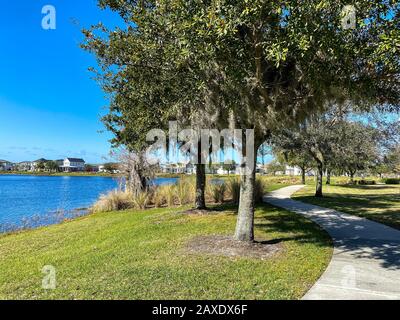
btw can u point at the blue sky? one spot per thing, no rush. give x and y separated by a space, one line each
49 105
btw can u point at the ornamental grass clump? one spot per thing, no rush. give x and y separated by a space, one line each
114 201
234 190
184 192
158 197
141 200
218 192
259 190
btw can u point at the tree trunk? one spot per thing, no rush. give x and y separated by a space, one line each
320 172
303 176
328 176
245 220
351 176
200 201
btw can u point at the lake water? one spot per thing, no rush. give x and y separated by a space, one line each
31 201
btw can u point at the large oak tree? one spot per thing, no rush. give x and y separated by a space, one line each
266 62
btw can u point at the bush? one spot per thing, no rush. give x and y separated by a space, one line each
184 192
158 197
141 200
181 193
218 192
392 181
234 189
366 182
114 201
169 193
259 190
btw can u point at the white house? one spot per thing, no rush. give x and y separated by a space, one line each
292 171
5 165
24 166
71 164
296 171
174 168
190 169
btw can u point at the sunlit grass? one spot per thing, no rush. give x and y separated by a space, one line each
141 255
380 202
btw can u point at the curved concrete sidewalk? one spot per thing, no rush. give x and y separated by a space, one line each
366 258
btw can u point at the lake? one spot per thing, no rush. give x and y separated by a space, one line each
32 201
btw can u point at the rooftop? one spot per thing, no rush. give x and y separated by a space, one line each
75 160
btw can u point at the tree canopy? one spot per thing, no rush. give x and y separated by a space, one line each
258 64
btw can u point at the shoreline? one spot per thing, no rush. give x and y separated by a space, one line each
59 174
81 174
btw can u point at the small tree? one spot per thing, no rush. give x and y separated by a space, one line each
51 166
263 151
275 166
296 158
357 148
138 170
41 166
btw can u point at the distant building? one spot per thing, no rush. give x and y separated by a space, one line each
176 168
71 164
5 165
190 169
292 171
35 164
260 169
109 168
24 166
296 171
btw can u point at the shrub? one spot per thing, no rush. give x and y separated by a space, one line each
366 182
113 201
169 194
184 192
218 192
234 189
141 200
259 190
158 197
392 181
340 180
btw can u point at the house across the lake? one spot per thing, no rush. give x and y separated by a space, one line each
23 166
5 165
71 164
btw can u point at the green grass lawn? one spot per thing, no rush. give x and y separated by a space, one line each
141 255
380 203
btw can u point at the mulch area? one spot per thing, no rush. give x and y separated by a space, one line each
202 212
228 247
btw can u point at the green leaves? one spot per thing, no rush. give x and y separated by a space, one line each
264 62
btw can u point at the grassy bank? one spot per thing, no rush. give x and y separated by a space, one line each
380 203
142 255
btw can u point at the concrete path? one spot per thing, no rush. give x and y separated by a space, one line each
366 258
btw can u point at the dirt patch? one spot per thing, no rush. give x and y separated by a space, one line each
202 212
228 247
